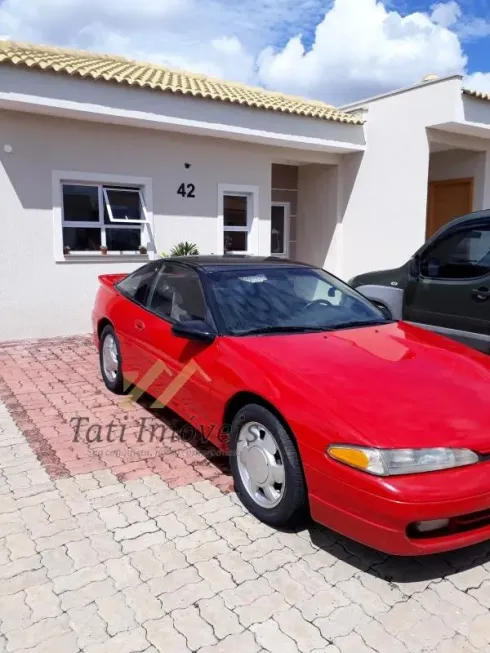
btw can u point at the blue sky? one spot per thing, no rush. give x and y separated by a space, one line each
334 50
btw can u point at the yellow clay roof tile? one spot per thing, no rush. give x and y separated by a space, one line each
114 68
478 94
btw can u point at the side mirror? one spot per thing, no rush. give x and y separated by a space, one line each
194 330
414 267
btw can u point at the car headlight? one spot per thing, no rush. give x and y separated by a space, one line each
393 462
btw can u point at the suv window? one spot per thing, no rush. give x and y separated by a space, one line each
137 285
461 255
178 295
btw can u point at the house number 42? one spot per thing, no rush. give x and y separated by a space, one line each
186 190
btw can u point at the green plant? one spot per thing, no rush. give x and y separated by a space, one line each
184 249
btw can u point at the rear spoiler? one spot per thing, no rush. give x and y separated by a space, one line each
109 280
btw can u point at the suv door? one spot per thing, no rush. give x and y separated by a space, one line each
450 291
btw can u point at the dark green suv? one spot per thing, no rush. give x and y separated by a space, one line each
445 286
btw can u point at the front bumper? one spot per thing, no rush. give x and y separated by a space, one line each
382 522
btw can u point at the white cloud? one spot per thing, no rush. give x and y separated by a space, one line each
359 48
478 82
446 14
474 28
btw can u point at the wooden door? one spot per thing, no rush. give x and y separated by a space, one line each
447 200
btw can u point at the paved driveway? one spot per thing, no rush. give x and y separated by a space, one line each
141 545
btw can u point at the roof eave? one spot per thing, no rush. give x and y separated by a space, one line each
361 104
64 96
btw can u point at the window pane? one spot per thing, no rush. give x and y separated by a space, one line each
235 211
277 230
235 241
138 284
123 240
463 255
80 203
178 295
125 205
81 239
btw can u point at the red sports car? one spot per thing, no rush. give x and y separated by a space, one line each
380 428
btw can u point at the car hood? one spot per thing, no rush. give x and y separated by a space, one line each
395 276
396 385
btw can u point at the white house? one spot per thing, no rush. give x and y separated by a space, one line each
107 162
427 160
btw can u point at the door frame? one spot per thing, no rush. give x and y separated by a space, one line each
287 228
430 199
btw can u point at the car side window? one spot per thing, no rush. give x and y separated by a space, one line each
461 255
177 295
137 285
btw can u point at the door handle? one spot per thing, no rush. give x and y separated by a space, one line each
481 293
139 325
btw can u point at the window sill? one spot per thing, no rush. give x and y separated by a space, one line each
105 258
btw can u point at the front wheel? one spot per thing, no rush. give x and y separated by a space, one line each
266 467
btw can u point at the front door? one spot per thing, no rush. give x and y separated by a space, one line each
452 291
447 200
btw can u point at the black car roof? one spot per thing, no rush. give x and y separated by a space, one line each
212 263
469 217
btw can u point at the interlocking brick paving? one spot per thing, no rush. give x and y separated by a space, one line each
93 564
48 384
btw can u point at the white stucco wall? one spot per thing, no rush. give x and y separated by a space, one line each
460 164
476 110
486 187
384 194
40 297
318 233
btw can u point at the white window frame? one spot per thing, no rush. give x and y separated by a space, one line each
126 220
287 229
252 227
143 184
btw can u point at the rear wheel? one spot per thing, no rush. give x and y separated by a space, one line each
266 467
110 360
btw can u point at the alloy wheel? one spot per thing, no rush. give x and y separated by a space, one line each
110 358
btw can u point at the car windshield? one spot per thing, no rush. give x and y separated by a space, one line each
287 300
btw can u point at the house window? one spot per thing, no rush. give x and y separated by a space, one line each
107 218
238 223
280 229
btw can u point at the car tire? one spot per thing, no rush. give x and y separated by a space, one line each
280 505
111 374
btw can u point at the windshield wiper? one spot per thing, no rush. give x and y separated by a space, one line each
281 329
359 323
